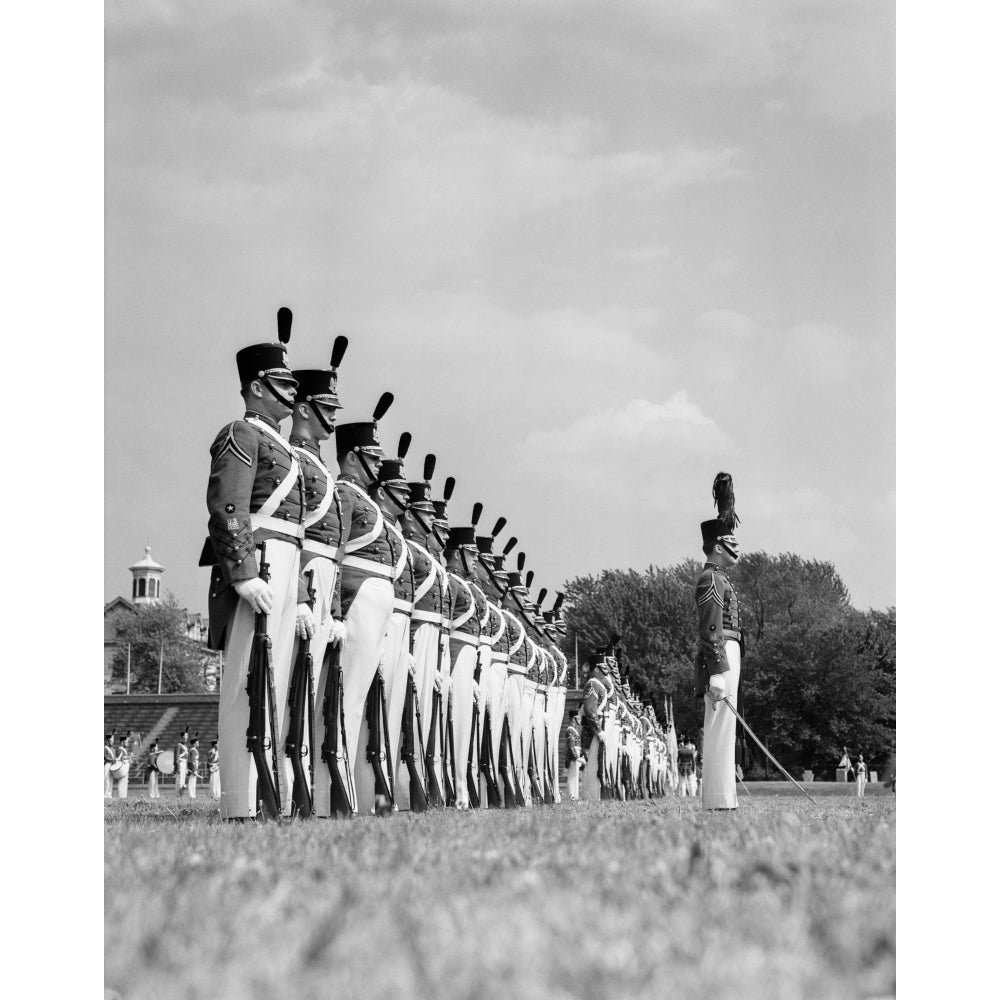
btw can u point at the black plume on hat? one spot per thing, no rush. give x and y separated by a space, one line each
477 513
339 347
429 462
382 406
284 324
725 500
498 527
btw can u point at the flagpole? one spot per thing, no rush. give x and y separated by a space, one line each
159 682
128 669
576 660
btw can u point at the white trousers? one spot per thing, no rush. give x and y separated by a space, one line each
236 766
182 776
367 621
498 710
573 779
324 578
462 678
214 785
590 786
107 781
718 768
862 781
122 783
396 669
514 699
154 785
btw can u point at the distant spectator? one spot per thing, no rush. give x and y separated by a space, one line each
214 785
862 775
845 763
153 770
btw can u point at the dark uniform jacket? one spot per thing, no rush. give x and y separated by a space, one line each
718 620
364 549
464 619
251 461
323 516
596 694
433 597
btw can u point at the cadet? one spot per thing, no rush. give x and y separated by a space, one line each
154 771
576 759
460 559
214 786
596 696
717 672
194 755
367 594
123 764
254 497
862 775
109 759
687 779
316 405
181 763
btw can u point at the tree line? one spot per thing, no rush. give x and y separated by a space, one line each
818 674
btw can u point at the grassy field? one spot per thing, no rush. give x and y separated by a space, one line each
785 900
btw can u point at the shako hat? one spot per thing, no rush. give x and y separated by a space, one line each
363 435
514 576
465 537
320 384
267 360
420 491
498 557
725 501
485 542
391 471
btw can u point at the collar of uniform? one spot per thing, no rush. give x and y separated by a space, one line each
345 477
308 443
715 566
262 416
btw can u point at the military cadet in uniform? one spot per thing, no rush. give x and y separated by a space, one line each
214 785
596 696
719 651
367 594
153 770
575 757
109 759
255 496
687 778
123 763
316 405
862 775
517 671
194 760
181 763
392 493
460 559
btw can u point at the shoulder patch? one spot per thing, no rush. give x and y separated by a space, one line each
708 591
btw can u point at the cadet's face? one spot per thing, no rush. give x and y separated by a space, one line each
329 414
728 550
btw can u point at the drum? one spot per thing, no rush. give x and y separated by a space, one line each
119 770
165 762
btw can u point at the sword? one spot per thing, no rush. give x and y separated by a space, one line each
770 756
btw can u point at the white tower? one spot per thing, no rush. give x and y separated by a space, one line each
146 580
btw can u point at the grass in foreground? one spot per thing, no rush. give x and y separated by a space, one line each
784 900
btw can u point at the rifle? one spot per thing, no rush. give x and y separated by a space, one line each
536 791
548 780
511 797
343 801
472 767
378 732
411 723
448 757
260 691
487 766
298 697
434 794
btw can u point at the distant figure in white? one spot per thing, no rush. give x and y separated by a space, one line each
862 776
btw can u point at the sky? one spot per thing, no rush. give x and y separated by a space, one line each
599 252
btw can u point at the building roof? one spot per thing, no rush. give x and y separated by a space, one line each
147 563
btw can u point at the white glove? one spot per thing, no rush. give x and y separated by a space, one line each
338 632
717 687
304 627
256 593
412 664
475 692
438 682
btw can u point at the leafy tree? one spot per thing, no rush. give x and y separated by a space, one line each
143 632
817 675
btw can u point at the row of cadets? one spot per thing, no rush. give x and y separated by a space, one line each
255 495
370 566
313 419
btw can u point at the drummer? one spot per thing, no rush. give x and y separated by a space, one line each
121 766
154 771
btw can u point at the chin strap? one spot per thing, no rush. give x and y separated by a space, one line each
728 549
323 422
277 395
372 477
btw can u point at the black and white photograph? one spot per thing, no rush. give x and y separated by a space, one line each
500 500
